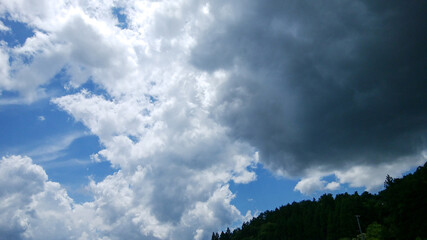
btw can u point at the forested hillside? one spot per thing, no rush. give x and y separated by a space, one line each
397 212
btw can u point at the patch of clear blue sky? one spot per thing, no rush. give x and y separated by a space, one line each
18 34
266 193
121 17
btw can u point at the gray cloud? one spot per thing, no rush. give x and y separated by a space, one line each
328 84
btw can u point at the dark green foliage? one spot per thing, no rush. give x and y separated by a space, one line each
398 212
374 231
405 206
215 236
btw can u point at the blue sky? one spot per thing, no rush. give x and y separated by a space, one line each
152 120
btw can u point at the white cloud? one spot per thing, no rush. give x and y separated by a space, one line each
332 186
373 177
4 66
35 208
31 206
169 150
370 177
3 27
27 78
310 185
171 157
41 118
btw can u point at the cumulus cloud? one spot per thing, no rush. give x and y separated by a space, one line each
372 178
175 161
31 206
196 93
26 180
315 183
310 185
35 208
332 186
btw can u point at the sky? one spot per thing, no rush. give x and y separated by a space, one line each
173 119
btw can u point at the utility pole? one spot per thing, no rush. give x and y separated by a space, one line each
360 229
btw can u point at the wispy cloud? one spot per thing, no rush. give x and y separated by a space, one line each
3 27
53 147
66 163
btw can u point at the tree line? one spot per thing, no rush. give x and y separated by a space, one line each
399 212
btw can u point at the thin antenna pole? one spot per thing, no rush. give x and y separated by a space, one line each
358 223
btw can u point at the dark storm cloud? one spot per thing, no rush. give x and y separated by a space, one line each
329 84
